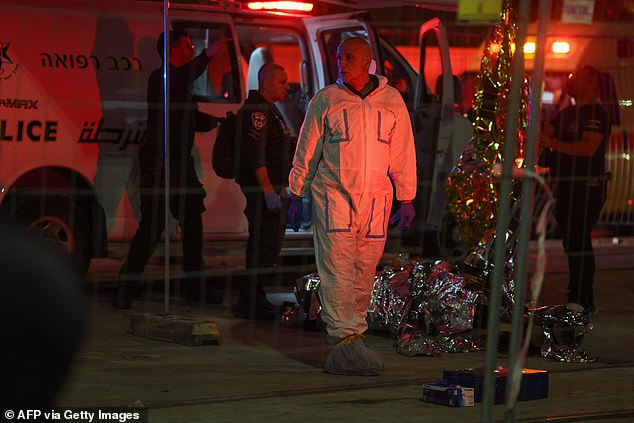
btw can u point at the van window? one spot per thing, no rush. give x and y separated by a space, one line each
399 73
283 46
433 68
330 40
221 83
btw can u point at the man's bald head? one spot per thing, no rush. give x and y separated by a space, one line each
354 56
357 44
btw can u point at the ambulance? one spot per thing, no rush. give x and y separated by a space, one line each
609 47
73 78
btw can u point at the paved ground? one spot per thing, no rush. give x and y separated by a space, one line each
265 371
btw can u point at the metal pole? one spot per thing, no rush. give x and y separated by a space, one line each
516 355
493 321
166 152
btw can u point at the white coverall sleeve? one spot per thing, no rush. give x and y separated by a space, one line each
309 148
403 156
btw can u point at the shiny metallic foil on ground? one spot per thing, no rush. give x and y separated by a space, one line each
306 312
438 314
478 269
564 328
429 306
389 295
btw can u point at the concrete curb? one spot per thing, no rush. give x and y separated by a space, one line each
174 329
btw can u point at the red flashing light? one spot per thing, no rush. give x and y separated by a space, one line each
281 6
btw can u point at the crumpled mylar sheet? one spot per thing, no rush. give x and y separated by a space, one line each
429 305
471 188
479 265
424 303
389 294
564 328
307 311
438 312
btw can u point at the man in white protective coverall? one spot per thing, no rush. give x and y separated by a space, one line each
356 135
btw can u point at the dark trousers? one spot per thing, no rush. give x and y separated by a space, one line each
186 204
266 235
577 211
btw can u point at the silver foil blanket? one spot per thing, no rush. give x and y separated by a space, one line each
390 292
437 313
418 343
564 327
307 311
479 265
423 303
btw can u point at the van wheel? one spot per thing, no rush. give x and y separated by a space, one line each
56 221
451 246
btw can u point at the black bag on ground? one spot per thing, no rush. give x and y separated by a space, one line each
225 155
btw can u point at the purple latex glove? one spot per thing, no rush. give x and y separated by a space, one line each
295 214
273 202
404 216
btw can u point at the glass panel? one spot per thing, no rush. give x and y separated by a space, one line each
220 83
330 40
433 68
398 72
260 45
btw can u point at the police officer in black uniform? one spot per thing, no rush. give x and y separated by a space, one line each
576 141
186 191
265 161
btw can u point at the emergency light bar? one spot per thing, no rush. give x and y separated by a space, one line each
281 6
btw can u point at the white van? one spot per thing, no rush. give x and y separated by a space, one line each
609 47
73 79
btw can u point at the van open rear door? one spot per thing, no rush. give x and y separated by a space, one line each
440 135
